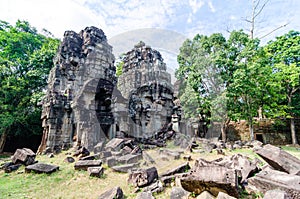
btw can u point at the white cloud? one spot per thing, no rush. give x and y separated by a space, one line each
55 16
211 6
196 5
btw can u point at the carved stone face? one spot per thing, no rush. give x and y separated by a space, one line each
150 108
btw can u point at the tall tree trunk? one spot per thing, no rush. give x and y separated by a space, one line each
3 137
293 132
224 128
260 111
251 131
223 132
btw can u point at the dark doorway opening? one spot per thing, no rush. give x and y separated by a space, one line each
259 137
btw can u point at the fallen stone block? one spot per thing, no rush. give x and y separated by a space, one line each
10 167
223 195
90 157
279 159
125 168
105 154
114 193
111 161
179 193
84 164
172 154
276 193
144 195
148 158
81 152
24 156
212 179
136 150
205 195
41 168
129 158
99 147
143 177
272 179
155 187
183 168
115 144
95 171
168 180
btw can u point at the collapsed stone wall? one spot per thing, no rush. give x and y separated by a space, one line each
74 97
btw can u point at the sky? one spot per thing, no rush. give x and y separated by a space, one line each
152 20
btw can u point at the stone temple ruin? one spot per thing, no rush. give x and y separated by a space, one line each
83 104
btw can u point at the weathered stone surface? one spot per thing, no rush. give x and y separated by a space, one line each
172 154
95 171
168 180
10 167
84 164
146 85
279 159
183 168
276 193
148 158
69 159
136 150
115 144
205 195
144 195
143 177
244 167
129 158
114 193
223 195
24 156
76 108
213 179
99 147
125 168
179 193
41 168
105 154
111 161
272 179
90 157
81 152
155 187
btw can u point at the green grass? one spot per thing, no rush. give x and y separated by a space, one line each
69 183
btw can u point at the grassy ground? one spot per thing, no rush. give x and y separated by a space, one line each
68 183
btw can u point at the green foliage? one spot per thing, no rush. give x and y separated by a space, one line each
235 78
25 60
119 69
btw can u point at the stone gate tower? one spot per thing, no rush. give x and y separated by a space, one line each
77 105
147 88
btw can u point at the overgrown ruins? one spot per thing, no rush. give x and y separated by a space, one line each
83 104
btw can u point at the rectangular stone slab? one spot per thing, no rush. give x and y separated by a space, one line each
279 159
84 164
41 168
213 179
272 179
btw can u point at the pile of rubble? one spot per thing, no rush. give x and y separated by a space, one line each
278 176
26 157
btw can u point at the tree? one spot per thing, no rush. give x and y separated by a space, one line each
25 60
202 67
283 55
